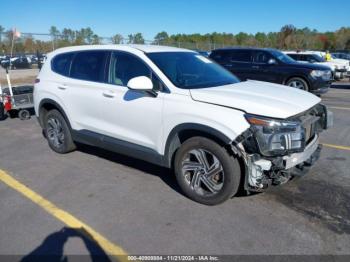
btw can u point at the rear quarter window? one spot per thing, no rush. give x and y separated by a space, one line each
61 64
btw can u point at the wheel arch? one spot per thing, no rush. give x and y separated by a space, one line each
45 106
297 76
183 132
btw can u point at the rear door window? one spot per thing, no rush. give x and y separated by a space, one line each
244 56
61 63
303 58
89 66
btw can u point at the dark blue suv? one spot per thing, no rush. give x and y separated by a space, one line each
271 65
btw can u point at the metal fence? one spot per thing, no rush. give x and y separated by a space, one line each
43 42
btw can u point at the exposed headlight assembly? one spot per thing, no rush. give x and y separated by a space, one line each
277 137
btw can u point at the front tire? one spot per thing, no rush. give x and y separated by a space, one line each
58 133
206 172
298 83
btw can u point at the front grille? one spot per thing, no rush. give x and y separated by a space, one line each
312 121
309 132
327 76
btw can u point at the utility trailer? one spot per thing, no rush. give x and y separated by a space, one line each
16 100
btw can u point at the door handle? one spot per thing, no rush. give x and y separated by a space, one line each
255 67
62 87
108 94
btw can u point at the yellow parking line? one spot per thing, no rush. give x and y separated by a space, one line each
63 216
341 108
337 147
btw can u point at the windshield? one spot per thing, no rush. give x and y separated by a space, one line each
318 58
282 57
191 70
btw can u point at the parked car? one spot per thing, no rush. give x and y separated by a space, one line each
338 71
2 58
271 65
203 53
17 62
33 59
341 56
342 62
178 109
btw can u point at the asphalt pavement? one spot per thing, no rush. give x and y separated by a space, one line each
139 207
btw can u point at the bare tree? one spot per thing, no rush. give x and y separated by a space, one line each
117 39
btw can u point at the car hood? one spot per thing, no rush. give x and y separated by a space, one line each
344 63
340 61
330 65
260 98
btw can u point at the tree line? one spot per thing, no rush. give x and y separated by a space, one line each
289 37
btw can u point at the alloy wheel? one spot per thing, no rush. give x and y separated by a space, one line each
55 132
203 172
297 84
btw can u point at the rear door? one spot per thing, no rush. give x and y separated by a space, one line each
81 91
240 64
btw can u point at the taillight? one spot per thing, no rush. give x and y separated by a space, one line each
37 80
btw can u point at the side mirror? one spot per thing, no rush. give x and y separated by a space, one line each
142 83
272 61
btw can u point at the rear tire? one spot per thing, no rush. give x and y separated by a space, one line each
206 172
298 83
58 133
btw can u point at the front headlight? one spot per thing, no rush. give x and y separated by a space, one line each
277 137
317 73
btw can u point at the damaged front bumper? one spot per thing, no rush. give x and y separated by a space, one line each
262 171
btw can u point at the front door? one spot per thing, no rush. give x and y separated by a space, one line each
241 64
129 115
262 67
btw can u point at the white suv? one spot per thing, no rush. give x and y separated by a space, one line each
176 108
338 69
